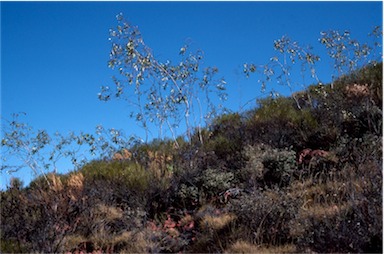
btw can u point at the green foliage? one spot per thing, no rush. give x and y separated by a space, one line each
285 110
147 153
12 246
227 123
279 167
223 147
131 175
269 166
352 106
188 193
215 181
226 140
346 232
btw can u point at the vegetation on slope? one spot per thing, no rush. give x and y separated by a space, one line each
237 186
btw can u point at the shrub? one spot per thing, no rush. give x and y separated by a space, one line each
264 124
214 181
157 157
342 213
265 216
351 105
269 166
216 228
162 197
284 108
340 229
356 151
192 188
12 246
13 211
184 191
132 175
39 219
137 241
226 140
370 75
217 223
188 194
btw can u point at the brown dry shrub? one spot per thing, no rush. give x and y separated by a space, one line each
47 212
357 90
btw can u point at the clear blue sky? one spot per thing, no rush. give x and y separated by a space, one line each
54 54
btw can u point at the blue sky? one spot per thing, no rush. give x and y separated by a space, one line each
54 54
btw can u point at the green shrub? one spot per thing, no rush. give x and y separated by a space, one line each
214 181
226 141
13 221
131 175
370 75
357 150
269 166
188 194
193 188
268 129
284 108
40 218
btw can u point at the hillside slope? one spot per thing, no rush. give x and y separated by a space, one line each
295 174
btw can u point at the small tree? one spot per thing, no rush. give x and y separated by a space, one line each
23 147
280 67
347 55
161 93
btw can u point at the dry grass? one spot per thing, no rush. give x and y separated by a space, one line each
217 222
125 242
246 247
75 184
108 213
328 193
56 184
76 181
137 242
318 211
242 247
70 242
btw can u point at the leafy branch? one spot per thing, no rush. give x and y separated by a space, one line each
24 147
162 93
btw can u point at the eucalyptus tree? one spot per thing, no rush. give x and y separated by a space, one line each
346 54
162 93
23 147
